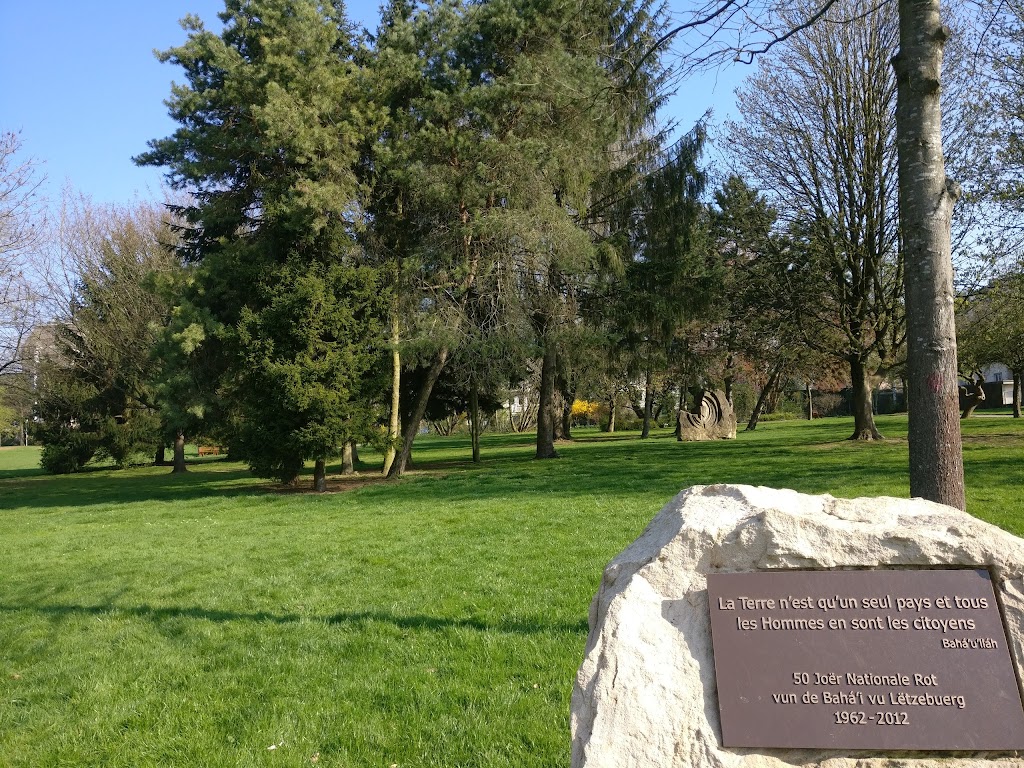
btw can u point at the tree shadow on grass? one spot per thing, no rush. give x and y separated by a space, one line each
810 457
662 467
123 487
355 619
7 474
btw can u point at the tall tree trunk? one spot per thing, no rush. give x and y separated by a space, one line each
762 398
648 404
160 459
398 466
1016 395
611 413
568 398
545 412
926 198
320 475
179 454
810 403
348 464
863 414
394 425
657 411
730 377
474 419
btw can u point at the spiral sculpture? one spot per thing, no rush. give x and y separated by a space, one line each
712 418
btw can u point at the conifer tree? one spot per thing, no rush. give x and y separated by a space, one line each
269 130
671 275
503 116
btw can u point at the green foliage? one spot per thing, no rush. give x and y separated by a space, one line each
503 121
758 321
279 320
300 391
96 393
77 420
187 372
450 394
671 275
9 422
268 127
129 439
15 406
67 451
466 153
990 325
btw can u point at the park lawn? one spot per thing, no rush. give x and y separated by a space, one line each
18 461
150 619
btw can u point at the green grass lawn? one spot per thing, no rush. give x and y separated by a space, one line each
19 462
150 619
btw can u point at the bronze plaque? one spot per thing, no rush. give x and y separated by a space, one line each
889 660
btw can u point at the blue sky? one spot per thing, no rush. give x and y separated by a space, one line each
81 83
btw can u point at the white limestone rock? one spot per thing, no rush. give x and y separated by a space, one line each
645 694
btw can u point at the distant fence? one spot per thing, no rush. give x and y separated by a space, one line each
883 401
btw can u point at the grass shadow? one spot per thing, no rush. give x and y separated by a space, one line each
811 457
357 619
124 487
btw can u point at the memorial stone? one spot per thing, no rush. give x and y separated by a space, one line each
865 633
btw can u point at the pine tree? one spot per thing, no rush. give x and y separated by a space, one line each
270 129
671 276
502 118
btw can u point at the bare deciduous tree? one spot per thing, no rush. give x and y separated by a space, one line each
818 133
21 225
721 30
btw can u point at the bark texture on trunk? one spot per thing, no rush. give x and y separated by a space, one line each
863 414
320 475
1016 395
394 425
567 400
348 465
399 464
762 398
926 198
179 454
810 403
546 410
474 420
611 413
648 405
